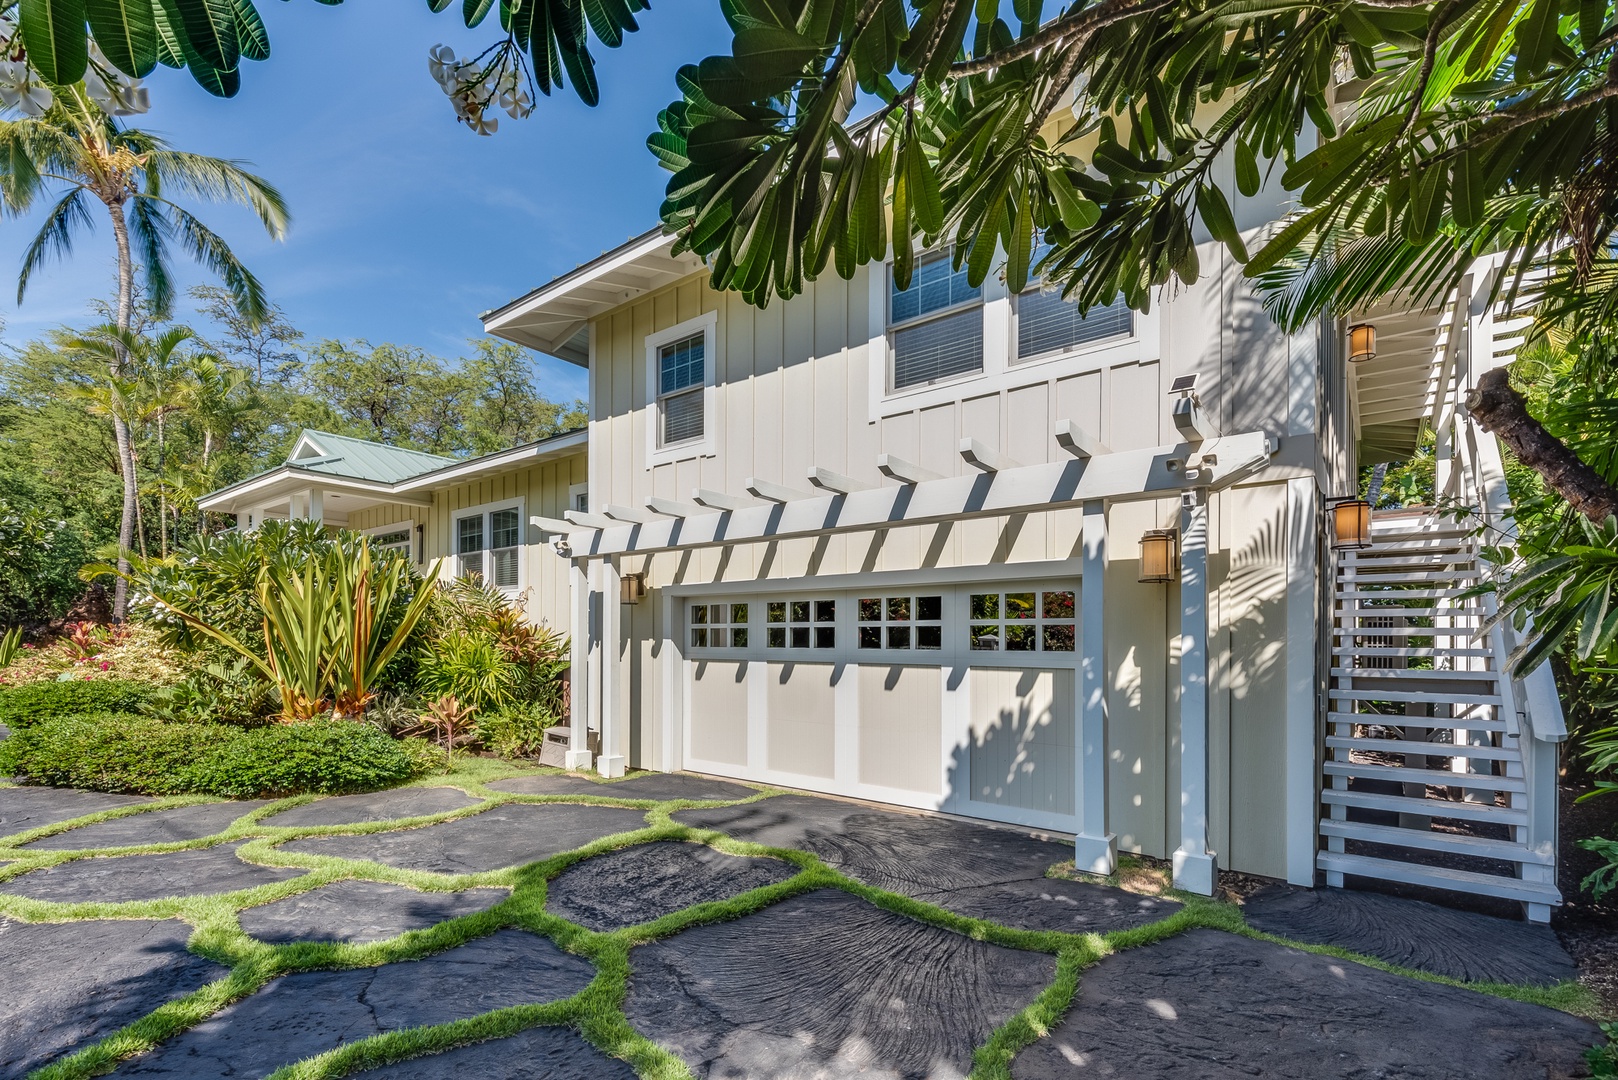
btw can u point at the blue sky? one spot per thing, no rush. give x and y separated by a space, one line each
406 225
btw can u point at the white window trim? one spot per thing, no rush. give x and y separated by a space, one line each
409 526
1001 368
708 325
573 493
452 562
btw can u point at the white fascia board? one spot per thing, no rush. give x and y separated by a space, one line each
289 479
562 446
498 319
1127 475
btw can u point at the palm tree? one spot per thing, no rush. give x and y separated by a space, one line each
75 145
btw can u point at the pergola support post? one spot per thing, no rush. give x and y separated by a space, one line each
1194 866
612 760
578 746
1095 849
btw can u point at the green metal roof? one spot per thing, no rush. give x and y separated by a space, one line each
362 460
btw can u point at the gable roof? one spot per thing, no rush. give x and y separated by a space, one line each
360 459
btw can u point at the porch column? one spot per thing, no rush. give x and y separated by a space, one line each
578 748
317 505
1194 868
611 763
1094 848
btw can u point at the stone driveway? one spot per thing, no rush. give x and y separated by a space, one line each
548 925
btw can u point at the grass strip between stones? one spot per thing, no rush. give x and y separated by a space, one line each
597 1011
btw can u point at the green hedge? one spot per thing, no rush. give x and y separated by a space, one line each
122 753
25 705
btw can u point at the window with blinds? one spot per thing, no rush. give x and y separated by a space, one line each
936 324
681 369
488 547
1047 323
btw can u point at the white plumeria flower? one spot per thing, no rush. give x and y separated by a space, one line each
19 91
440 64
120 97
517 104
483 123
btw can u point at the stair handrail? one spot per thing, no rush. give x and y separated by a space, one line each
1535 693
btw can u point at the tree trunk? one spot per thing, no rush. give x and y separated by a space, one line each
162 495
1503 412
126 444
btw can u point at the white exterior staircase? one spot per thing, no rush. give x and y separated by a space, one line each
1432 775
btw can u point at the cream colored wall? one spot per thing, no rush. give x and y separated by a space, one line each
792 391
543 488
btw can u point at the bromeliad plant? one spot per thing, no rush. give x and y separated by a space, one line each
329 618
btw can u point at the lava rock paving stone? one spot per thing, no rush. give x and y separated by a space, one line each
504 836
1211 1005
24 808
312 1012
645 882
1073 907
121 879
153 827
376 806
544 1053
68 984
827 984
1414 934
647 785
903 853
361 911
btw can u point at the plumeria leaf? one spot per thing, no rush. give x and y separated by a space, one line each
126 33
53 33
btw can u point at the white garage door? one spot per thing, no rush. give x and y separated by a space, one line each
958 698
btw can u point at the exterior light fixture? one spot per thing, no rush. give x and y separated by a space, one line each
1160 556
1351 525
1361 343
631 587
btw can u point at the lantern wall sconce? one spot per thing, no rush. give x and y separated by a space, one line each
1361 343
631 587
1160 556
1350 525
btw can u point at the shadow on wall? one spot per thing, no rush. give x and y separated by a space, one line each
1024 757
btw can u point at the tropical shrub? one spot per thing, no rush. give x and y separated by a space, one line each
143 755
134 651
513 732
10 646
25 706
318 616
538 655
218 693
469 667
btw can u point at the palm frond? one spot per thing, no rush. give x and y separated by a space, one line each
55 237
151 229
218 180
209 249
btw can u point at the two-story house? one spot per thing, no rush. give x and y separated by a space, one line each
972 552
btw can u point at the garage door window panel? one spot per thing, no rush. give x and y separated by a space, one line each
901 623
1022 621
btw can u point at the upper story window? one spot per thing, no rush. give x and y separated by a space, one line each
1049 323
680 366
680 378
488 546
936 325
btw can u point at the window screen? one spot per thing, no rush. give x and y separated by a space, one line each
469 547
680 371
504 537
1047 323
927 345
938 349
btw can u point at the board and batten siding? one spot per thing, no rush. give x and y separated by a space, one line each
543 488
